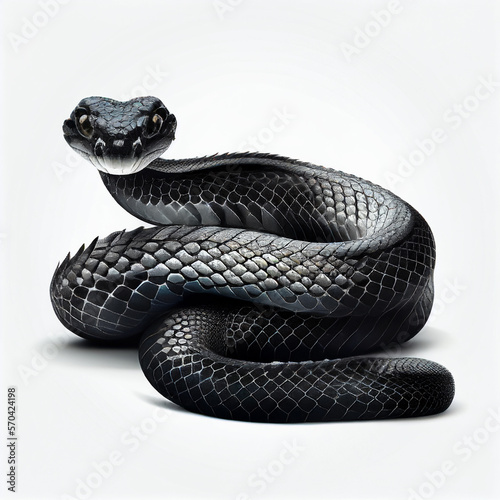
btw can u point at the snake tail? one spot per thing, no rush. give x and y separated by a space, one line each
183 358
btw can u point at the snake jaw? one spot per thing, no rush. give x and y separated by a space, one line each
119 166
127 158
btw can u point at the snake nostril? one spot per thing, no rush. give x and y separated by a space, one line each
99 147
138 150
137 145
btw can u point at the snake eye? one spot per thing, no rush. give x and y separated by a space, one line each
83 124
155 123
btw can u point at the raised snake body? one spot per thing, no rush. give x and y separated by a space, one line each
262 281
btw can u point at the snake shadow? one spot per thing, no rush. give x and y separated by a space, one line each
86 354
160 402
124 356
424 342
83 354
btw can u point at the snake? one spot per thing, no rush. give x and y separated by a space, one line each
259 286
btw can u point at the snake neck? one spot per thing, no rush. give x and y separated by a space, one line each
266 193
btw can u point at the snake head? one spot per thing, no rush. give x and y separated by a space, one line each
120 137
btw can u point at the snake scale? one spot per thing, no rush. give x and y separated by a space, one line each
262 283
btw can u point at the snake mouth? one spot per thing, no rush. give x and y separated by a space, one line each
121 157
118 166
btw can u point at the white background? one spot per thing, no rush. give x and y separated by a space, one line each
226 69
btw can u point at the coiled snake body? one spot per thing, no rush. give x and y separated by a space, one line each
261 282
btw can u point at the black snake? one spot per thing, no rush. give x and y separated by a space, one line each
261 282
